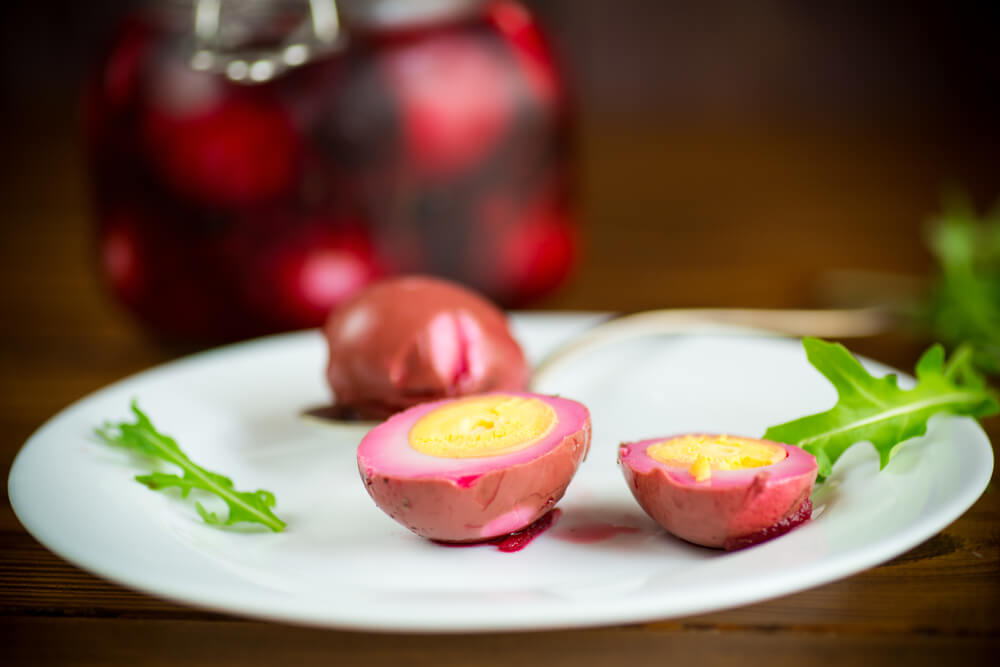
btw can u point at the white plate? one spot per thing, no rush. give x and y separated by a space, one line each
342 563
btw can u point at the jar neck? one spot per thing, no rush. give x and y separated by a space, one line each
252 41
238 20
371 16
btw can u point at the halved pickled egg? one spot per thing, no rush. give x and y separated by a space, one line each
720 491
474 468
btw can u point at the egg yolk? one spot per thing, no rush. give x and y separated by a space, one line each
701 454
482 426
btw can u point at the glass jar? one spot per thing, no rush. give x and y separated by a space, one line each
257 162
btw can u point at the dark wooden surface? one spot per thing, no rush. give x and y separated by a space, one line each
704 215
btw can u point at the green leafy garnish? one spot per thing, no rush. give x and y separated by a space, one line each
876 410
964 304
143 438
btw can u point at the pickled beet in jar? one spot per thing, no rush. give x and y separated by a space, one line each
255 163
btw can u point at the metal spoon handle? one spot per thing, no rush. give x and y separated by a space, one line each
831 323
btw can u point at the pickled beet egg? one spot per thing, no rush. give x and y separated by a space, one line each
474 468
404 341
720 491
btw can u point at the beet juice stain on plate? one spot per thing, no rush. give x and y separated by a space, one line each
592 532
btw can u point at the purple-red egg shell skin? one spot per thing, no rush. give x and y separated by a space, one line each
732 503
471 499
405 340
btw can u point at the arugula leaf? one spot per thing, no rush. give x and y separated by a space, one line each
876 410
143 438
964 304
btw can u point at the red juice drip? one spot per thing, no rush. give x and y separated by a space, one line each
522 538
798 517
517 540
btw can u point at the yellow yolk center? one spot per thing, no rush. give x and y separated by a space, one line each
482 426
701 454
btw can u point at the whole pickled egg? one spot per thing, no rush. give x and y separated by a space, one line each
411 339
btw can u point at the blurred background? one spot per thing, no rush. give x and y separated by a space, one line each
161 191
156 199
653 154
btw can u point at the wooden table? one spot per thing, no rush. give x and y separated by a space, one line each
692 214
